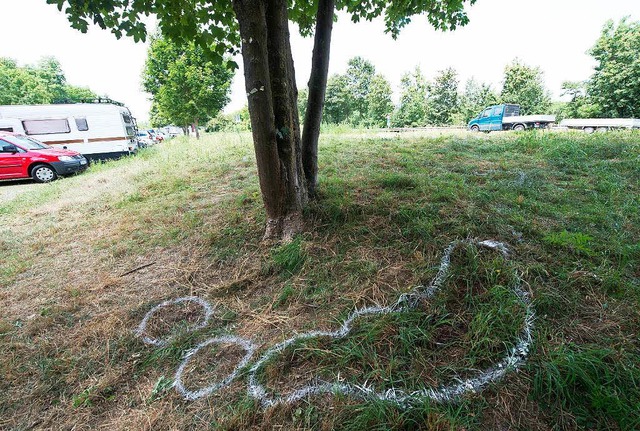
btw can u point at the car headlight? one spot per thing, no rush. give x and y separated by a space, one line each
65 158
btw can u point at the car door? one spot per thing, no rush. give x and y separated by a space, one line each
496 118
12 161
484 122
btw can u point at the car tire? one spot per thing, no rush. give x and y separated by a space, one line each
43 173
519 127
475 129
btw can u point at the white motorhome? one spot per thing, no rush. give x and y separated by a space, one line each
96 130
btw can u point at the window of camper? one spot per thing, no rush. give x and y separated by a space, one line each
46 127
127 118
82 125
130 131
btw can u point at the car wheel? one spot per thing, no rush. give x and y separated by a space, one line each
475 129
43 173
589 130
518 127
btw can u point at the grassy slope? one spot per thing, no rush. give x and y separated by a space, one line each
567 204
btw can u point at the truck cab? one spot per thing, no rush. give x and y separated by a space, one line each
491 118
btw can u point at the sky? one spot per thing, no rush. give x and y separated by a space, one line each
554 35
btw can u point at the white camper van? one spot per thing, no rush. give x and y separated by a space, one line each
96 130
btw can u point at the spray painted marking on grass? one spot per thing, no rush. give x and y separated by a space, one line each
248 347
142 327
513 359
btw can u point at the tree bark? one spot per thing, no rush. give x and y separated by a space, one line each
272 95
317 91
195 125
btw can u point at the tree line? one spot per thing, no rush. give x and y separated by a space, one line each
42 83
363 98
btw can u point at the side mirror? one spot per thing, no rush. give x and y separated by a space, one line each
9 149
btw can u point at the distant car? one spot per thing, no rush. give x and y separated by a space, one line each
145 138
172 131
162 136
24 157
157 136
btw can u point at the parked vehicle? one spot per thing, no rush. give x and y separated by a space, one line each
158 135
25 157
507 117
172 131
96 130
591 125
145 139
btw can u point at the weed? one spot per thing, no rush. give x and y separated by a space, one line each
577 242
161 388
289 258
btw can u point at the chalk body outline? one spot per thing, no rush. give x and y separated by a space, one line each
514 358
511 361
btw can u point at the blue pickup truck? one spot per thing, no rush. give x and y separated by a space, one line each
507 117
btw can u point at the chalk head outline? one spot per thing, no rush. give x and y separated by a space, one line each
161 342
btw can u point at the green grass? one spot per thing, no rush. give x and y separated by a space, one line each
567 204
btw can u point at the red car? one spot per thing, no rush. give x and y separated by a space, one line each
24 157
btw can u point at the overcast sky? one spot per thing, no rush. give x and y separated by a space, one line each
552 34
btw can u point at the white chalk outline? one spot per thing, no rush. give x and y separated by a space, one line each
514 358
247 345
208 311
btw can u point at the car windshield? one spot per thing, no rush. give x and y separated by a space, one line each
26 143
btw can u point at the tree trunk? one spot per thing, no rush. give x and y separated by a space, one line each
195 126
317 90
272 95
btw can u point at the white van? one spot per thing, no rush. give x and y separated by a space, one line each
96 130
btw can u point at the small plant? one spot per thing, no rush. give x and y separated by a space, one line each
287 292
290 257
83 399
161 387
578 242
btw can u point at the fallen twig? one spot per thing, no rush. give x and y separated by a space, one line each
138 269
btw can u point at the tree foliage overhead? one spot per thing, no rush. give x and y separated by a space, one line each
212 23
615 85
186 85
42 83
524 85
